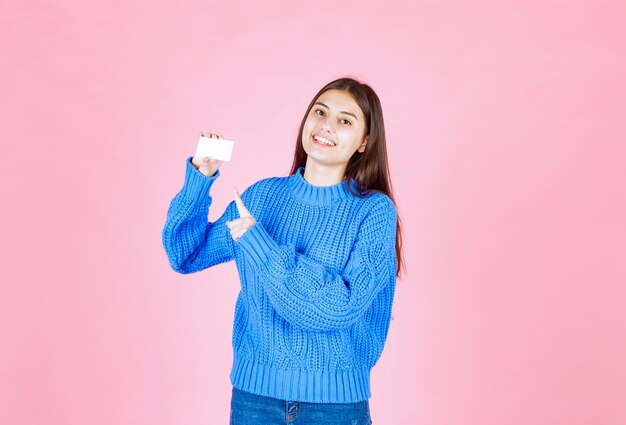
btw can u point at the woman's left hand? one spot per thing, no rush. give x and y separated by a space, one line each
239 226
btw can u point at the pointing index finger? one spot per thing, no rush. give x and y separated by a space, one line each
243 211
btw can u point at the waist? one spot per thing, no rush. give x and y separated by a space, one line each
339 386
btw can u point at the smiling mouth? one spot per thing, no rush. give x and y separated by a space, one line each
323 141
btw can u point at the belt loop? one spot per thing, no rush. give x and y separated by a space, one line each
292 409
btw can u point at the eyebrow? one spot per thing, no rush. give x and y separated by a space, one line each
341 112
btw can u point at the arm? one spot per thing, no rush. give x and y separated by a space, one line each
305 293
191 243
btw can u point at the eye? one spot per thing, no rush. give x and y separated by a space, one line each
345 121
320 112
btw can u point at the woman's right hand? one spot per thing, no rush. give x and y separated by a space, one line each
207 166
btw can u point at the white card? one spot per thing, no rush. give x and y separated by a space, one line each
214 148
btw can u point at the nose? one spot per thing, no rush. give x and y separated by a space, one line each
327 126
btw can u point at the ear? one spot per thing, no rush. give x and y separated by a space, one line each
362 147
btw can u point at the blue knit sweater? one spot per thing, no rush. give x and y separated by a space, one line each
317 272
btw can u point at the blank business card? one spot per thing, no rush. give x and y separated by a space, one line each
215 148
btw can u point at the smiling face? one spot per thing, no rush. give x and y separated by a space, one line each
334 129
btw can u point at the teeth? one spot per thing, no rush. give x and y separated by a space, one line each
324 141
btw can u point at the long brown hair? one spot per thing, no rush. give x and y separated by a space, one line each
370 169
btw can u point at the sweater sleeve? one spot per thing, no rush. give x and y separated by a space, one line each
304 292
190 241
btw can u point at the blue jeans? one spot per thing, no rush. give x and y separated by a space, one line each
251 409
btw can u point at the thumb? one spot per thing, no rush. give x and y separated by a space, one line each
243 211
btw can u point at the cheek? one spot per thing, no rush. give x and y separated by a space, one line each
308 128
351 137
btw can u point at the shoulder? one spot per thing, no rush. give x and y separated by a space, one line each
383 201
378 204
376 219
262 188
266 183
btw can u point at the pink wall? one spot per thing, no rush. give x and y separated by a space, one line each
507 139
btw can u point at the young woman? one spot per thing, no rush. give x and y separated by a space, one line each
317 253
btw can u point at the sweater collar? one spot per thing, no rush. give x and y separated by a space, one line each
318 195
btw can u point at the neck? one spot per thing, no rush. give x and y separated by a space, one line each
323 175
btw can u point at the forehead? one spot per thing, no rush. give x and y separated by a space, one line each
339 100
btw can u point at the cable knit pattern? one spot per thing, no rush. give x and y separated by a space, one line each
318 275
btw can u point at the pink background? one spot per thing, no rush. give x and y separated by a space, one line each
507 142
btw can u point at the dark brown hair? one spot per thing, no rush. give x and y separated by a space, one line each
370 169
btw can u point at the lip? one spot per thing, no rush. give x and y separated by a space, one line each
321 144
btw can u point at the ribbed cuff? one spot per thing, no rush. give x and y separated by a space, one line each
196 184
256 244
